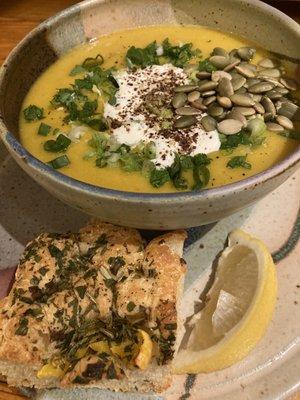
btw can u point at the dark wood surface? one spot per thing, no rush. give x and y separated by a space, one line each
18 17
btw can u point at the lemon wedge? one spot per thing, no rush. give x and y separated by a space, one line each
240 306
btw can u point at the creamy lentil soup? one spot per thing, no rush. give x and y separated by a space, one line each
161 109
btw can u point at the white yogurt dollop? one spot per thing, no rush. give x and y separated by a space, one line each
133 126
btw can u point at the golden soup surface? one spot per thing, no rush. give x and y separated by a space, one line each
113 47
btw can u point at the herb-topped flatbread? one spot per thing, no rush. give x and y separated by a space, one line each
96 308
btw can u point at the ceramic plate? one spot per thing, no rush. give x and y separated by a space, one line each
272 369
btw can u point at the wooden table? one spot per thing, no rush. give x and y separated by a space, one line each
17 18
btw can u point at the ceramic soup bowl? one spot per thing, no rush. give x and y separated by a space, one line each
252 19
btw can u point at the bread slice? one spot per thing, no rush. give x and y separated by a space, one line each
103 285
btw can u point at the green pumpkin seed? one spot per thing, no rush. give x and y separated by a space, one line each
268 105
187 111
270 72
285 122
246 53
241 90
246 111
185 121
208 93
179 100
209 124
245 71
219 61
256 97
193 96
224 101
267 63
209 100
229 126
243 100
272 126
185 88
268 116
204 87
274 94
214 110
203 75
274 81
216 76
289 110
258 108
238 82
225 87
233 63
261 87
252 81
199 104
219 51
237 115
282 90
289 83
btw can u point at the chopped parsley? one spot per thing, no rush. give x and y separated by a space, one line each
238 162
206 65
131 306
158 177
33 113
22 329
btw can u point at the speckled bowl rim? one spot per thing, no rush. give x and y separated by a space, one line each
244 184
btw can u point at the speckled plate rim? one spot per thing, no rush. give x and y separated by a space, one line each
12 143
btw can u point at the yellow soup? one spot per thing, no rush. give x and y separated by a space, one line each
113 49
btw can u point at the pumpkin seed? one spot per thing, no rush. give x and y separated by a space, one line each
274 81
245 70
252 81
246 111
219 61
225 88
203 75
268 105
261 87
267 63
236 114
233 53
229 126
270 72
289 83
272 126
219 51
241 90
193 96
282 90
274 94
215 110
243 100
233 62
256 97
285 122
187 111
185 88
185 121
268 116
204 87
199 104
258 108
208 123
224 101
208 100
208 93
216 76
289 110
246 53
238 82
179 100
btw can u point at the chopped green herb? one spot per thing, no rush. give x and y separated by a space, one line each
142 57
43 271
90 62
179 55
131 306
61 143
171 327
175 173
201 176
59 162
81 291
78 69
44 129
232 141
131 162
158 177
23 327
238 162
33 113
186 162
116 263
206 65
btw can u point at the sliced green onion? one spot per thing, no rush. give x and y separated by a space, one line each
44 129
61 143
59 162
